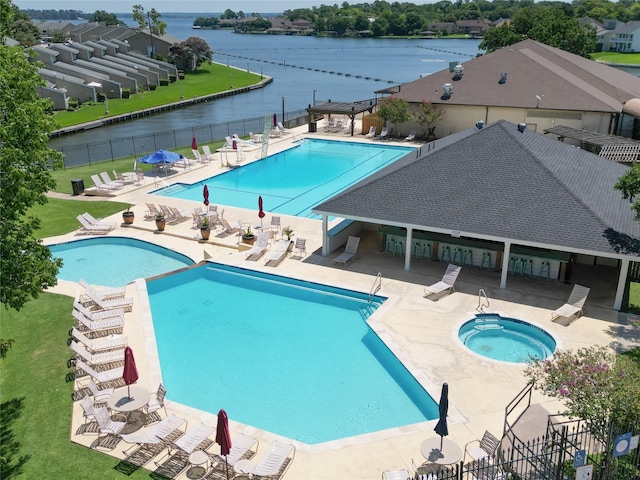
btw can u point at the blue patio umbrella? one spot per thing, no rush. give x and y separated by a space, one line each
161 156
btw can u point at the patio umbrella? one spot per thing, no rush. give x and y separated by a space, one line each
261 213
164 157
194 144
205 194
223 437
275 119
441 427
130 373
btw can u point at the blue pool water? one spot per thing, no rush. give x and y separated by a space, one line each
287 356
115 261
294 181
506 339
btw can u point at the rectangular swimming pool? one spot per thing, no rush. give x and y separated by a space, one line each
291 357
292 182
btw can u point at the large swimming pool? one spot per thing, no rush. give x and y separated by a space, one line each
290 357
115 261
292 182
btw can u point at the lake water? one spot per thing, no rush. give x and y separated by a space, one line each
296 82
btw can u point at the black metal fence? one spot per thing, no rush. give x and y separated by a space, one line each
139 145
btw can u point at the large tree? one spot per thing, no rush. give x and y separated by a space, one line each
105 17
26 265
182 53
149 19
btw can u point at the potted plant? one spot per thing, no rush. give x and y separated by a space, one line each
127 216
205 228
160 221
427 117
288 232
248 237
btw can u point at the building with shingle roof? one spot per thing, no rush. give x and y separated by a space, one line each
533 83
506 186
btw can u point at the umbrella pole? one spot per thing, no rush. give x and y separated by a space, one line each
227 466
441 440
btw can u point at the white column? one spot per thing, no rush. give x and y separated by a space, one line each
325 237
622 281
505 264
407 250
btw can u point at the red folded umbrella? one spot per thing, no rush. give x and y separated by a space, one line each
130 373
275 119
234 145
205 194
223 436
261 213
194 144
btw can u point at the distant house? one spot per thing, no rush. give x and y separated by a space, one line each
475 28
532 83
625 38
448 27
48 28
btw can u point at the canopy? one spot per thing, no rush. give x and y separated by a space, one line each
161 156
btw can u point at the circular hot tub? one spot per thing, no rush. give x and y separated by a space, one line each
506 339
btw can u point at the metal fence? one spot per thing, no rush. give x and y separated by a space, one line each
139 145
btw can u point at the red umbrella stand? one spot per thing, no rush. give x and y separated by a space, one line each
130 373
223 436
261 213
205 195
194 144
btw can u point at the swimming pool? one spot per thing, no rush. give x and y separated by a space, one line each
115 261
295 180
287 356
506 339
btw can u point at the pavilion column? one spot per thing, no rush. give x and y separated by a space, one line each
622 281
325 236
407 249
505 264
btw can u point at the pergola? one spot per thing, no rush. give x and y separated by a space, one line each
618 149
350 110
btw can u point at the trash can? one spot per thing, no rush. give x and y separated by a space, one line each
313 127
77 184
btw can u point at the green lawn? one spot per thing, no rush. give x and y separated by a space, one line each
617 57
208 79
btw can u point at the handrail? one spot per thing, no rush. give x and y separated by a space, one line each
162 182
481 305
377 285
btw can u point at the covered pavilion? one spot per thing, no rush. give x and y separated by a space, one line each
349 109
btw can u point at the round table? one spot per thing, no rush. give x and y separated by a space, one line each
243 466
197 459
449 453
129 400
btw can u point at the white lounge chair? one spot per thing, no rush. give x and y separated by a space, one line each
113 324
87 228
104 376
107 180
208 155
372 132
383 134
277 254
260 246
196 438
411 137
276 460
101 186
282 129
101 343
95 315
349 251
99 223
574 306
396 475
152 211
106 292
166 431
179 215
447 282
124 303
97 358
299 248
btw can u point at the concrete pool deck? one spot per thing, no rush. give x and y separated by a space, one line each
421 332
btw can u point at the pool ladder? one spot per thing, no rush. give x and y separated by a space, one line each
482 302
377 285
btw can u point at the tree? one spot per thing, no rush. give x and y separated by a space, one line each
60 36
394 110
101 16
25 31
27 267
149 19
629 185
428 115
595 386
182 53
498 37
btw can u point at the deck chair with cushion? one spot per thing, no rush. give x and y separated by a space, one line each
446 284
277 254
349 251
486 447
573 309
396 475
276 460
372 132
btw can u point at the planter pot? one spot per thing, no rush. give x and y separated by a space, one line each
248 239
160 224
205 232
431 136
128 218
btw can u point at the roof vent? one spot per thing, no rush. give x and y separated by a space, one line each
457 72
503 77
522 127
447 90
480 124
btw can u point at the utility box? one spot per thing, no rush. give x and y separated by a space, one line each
77 184
313 127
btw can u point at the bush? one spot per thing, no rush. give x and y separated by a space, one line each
126 93
164 82
152 86
172 78
101 97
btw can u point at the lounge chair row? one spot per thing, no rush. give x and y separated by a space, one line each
170 214
92 226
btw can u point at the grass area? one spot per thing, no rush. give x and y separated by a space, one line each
208 79
617 57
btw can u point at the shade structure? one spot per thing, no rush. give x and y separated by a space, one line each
261 213
443 407
160 156
130 372
205 195
223 436
194 144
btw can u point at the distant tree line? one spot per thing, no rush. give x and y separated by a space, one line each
54 14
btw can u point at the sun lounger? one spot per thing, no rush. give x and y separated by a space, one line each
574 306
383 134
178 215
447 282
277 254
276 460
103 376
349 251
114 324
196 438
124 303
107 180
260 246
372 132
87 228
208 154
106 292
96 314
97 358
411 137
101 343
150 442
152 211
99 223
101 186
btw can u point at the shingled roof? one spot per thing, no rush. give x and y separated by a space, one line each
562 80
500 184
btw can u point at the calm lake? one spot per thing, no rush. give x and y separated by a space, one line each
292 62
